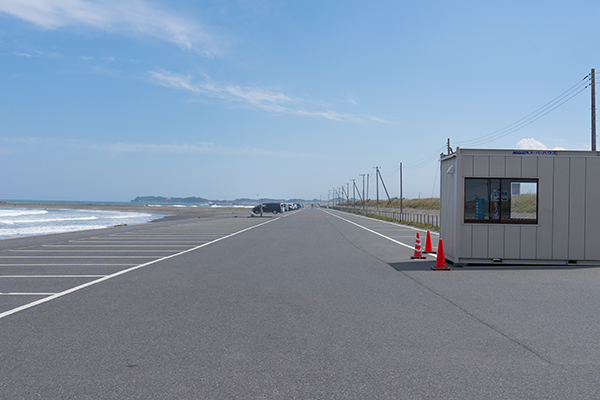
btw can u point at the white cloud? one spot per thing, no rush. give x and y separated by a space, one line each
383 121
158 148
137 17
533 144
265 99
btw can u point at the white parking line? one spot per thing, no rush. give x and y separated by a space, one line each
28 257
26 294
115 245
88 251
50 276
379 234
52 296
63 265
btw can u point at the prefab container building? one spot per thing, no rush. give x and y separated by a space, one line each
520 206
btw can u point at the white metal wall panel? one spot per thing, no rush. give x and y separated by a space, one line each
481 166
577 209
545 209
513 167
560 209
528 242
466 241
496 241
480 241
512 242
529 167
568 206
592 209
497 166
466 166
448 206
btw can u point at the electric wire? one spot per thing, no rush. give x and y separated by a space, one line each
547 108
424 161
552 105
532 117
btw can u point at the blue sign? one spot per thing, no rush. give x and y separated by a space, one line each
479 208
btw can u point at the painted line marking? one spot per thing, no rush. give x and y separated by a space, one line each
110 246
3 257
62 265
89 251
97 242
50 276
393 223
27 294
379 234
122 272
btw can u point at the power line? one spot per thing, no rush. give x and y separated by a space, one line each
425 161
532 117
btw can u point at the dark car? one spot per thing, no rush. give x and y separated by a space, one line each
268 207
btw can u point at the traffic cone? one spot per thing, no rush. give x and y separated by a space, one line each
428 246
418 254
440 264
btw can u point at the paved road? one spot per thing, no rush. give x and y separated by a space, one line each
315 304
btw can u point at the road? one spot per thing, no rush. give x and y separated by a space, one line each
313 304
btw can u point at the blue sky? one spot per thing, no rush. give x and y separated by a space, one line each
109 100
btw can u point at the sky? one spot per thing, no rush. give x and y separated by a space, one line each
109 100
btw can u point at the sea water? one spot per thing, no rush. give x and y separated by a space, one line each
18 222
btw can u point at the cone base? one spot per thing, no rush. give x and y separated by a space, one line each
441 269
418 258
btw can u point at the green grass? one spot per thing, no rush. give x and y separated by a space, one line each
415 224
430 203
524 203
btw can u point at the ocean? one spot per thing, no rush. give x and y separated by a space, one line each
19 222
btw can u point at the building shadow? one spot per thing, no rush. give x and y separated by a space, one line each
413 265
425 265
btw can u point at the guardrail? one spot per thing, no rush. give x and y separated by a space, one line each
395 215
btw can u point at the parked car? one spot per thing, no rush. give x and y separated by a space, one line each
268 207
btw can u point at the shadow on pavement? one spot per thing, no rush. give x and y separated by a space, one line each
425 265
413 265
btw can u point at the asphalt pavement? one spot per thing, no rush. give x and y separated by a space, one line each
311 304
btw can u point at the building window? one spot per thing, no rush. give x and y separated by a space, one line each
501 200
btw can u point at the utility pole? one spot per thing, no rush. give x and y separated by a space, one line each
368 175
593 84
353 190
348 191
400 188
363 191
377 185
385 188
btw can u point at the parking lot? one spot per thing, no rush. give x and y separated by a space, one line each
312 304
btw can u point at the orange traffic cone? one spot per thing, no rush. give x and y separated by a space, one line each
428 246
440 264
418 254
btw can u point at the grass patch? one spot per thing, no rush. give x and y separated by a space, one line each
410 223
430 203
